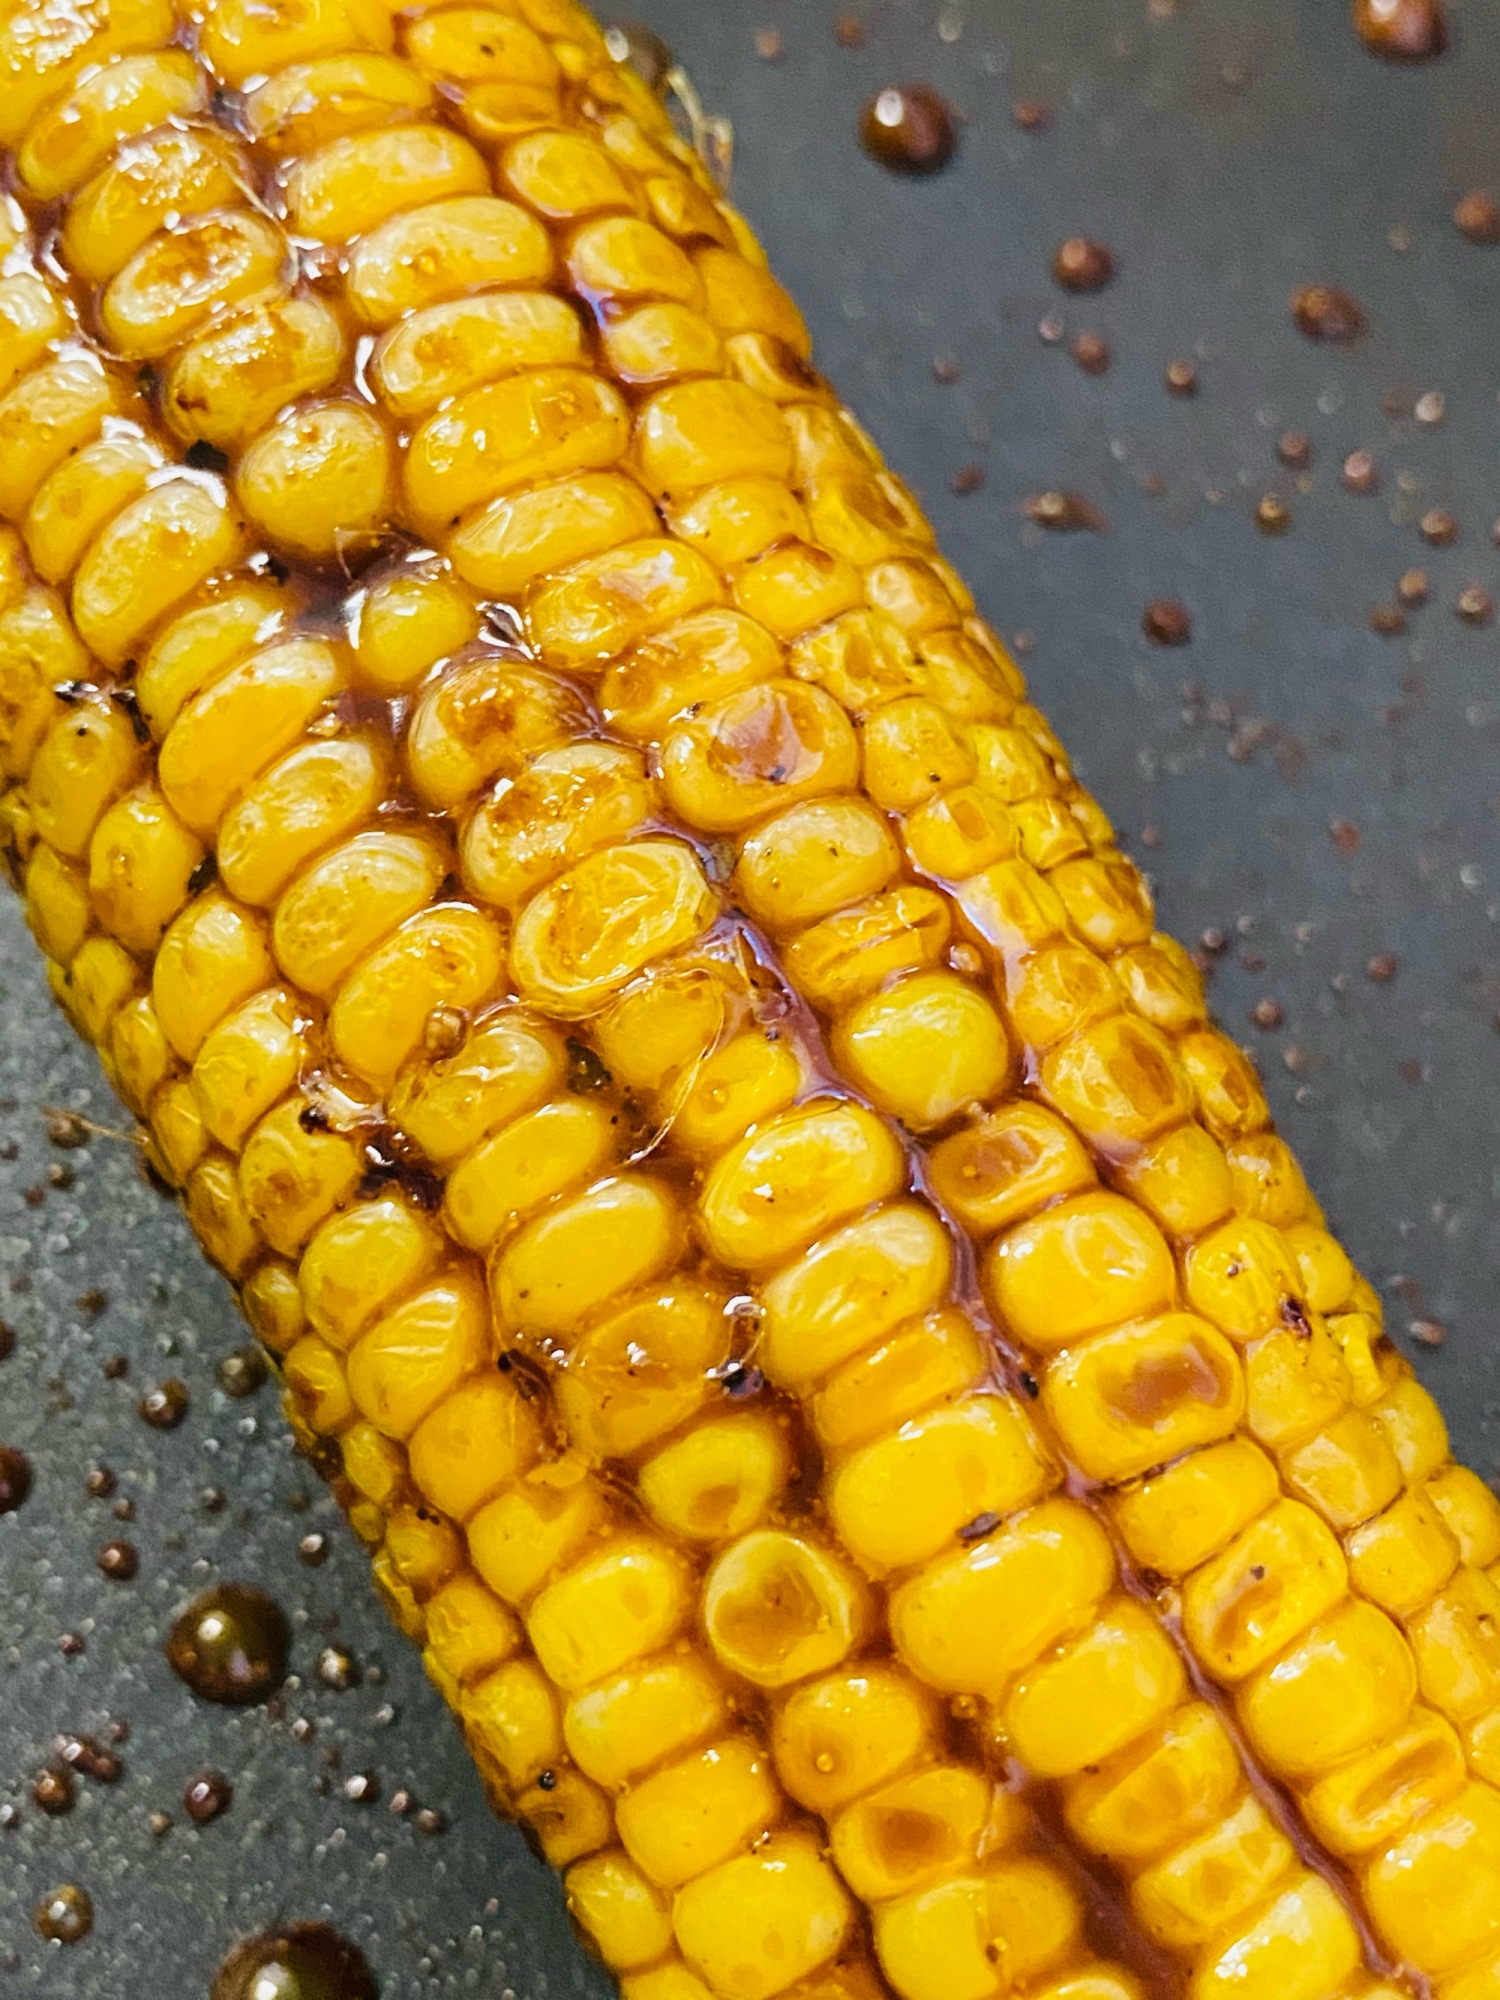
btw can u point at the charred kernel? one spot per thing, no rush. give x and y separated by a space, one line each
909 129
1082 265
1092 353
54 1791
303 1962
1476 217
1165 622
15 1478
338 1669
241 1373
1267 1014
1439 527
205 1796
230 1645
65 1915
1475 606
1361 474
1328 312
165 1406
1382 968
1272 515
1414 588
312 1550
119 1561
1181 378
1294 449
1401 30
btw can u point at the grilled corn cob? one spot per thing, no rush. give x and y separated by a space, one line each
606 980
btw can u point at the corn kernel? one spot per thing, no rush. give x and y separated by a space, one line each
777 1608
837 1738
1144 1394
213 957
1182 1181
363 1261
273 1306
219 1217
467 243
1403 1558
520 1538
58 911
568 802
1267 1587
417 1354
448 956
694 662
1178 1779
549 1152
642 1370
469 1632
719 1480
627 1601
1346 1685
917 1829
402 627
1435 1895
1372 1800
851 1289
345 903
734 520
656 1709
1348 1472
247 1063
1230 1099
320 481
693 1815
1242 1277
796 586
1301 1948
755 1925
511 1719
1415 1427
794 1178
1296 1383
1088 1263
1457 1644
195 648
576 1258
920 1364
1470 1513
813 859
579 941
476 1442
305 105
74 135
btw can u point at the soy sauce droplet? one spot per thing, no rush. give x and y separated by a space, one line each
909 128
65 1915
230 1645
303 1962
205 1796
15 1478
1328 312
1401 30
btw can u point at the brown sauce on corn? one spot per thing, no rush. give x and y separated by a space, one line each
812 1323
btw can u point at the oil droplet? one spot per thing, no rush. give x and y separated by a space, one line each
1329 313
205 1796
230 1645
165 1406
909 129
303 1962
1081 265
15 1478
65 1915
1401 30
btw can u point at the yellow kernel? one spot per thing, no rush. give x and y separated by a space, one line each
1327 1274
920 1828
273 1307
79 498
449 349
320 481
1143 1394
1215 1880
510 1718
48 415
1296 1383
856 951
1435 1896
83 763
1348 1471
1054 995
569 802
504 1069
778 1608
755 1925
486 718
1414 1424
1242 1277
1372 1800
1150 1797
1176 1519
901 1499
695 662
342 906
719 1480
469 1631
1164 984
1230 1100
548 1152
141 862
242 39
813 859
601 608
1301 1948
1117 1080
476 1442
177 171
654 1710
621 257
745 298
227 385
445 251
625 1919
1278 1575
576 1258
292 1178
521 536
796 586
1347 1685
1403 1557
729 764
693 1815
449 956
1470 1513
866 662
1268 1182
1088 1263
305 105
404 626
202 644
627 1601
969 1938
580 940
100 981
318 794
699 433
74 136
248 1061
355 183
31 318
1093 1696
213 957
837 1738
795 1177
563 174
1456 1640
58 910
181 277
417 1354
642 1371
180 1143
918 1365
520 1538
976 1616
315 1380
1182 1181
925 1050
362 1262
219 1218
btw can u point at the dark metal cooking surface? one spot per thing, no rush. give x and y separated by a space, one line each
1227 154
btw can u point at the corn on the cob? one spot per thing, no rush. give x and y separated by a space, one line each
647 939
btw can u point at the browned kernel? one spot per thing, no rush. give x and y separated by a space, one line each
1165 622
1328 312
1401 30
909 128
1476 217
1081 265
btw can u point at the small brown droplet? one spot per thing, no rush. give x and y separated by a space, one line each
65 1915
968 479
849 32
1475 606
205 1796
1082 265
1428 1332
1477 217
230 1645
1294 449
1328 312
1181 378
1031 114
1388 620
1092 353
1345 836
93 1758
7 1340
119 1561
242 1373
1401 30
1382 968
165 1406
1151 837
15 1478
67 1130
430 1820
1165 622
72 1645
93 1301
303 1962
1064 513
770 44
115 1367
1414 587
1361 474
54 1790
1430 407
1267 1014
1439 527
361 1788
909 129
158 1824
338 1669
946 371
1272 515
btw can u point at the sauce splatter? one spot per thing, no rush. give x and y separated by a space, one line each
230 1645
909 128
303 1962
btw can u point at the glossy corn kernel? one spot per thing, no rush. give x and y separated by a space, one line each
582 977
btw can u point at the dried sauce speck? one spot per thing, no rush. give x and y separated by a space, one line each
1267 1015
1031 114
312 1550
968 479
1430 407
849 32
65 1915
1477 218
1165 622
1382 968
1401 30
1064 513
15 1478
770 44
909 128
303 1962
1328 312
1082 265
1414 587
230 1645
1345 836
1388 620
